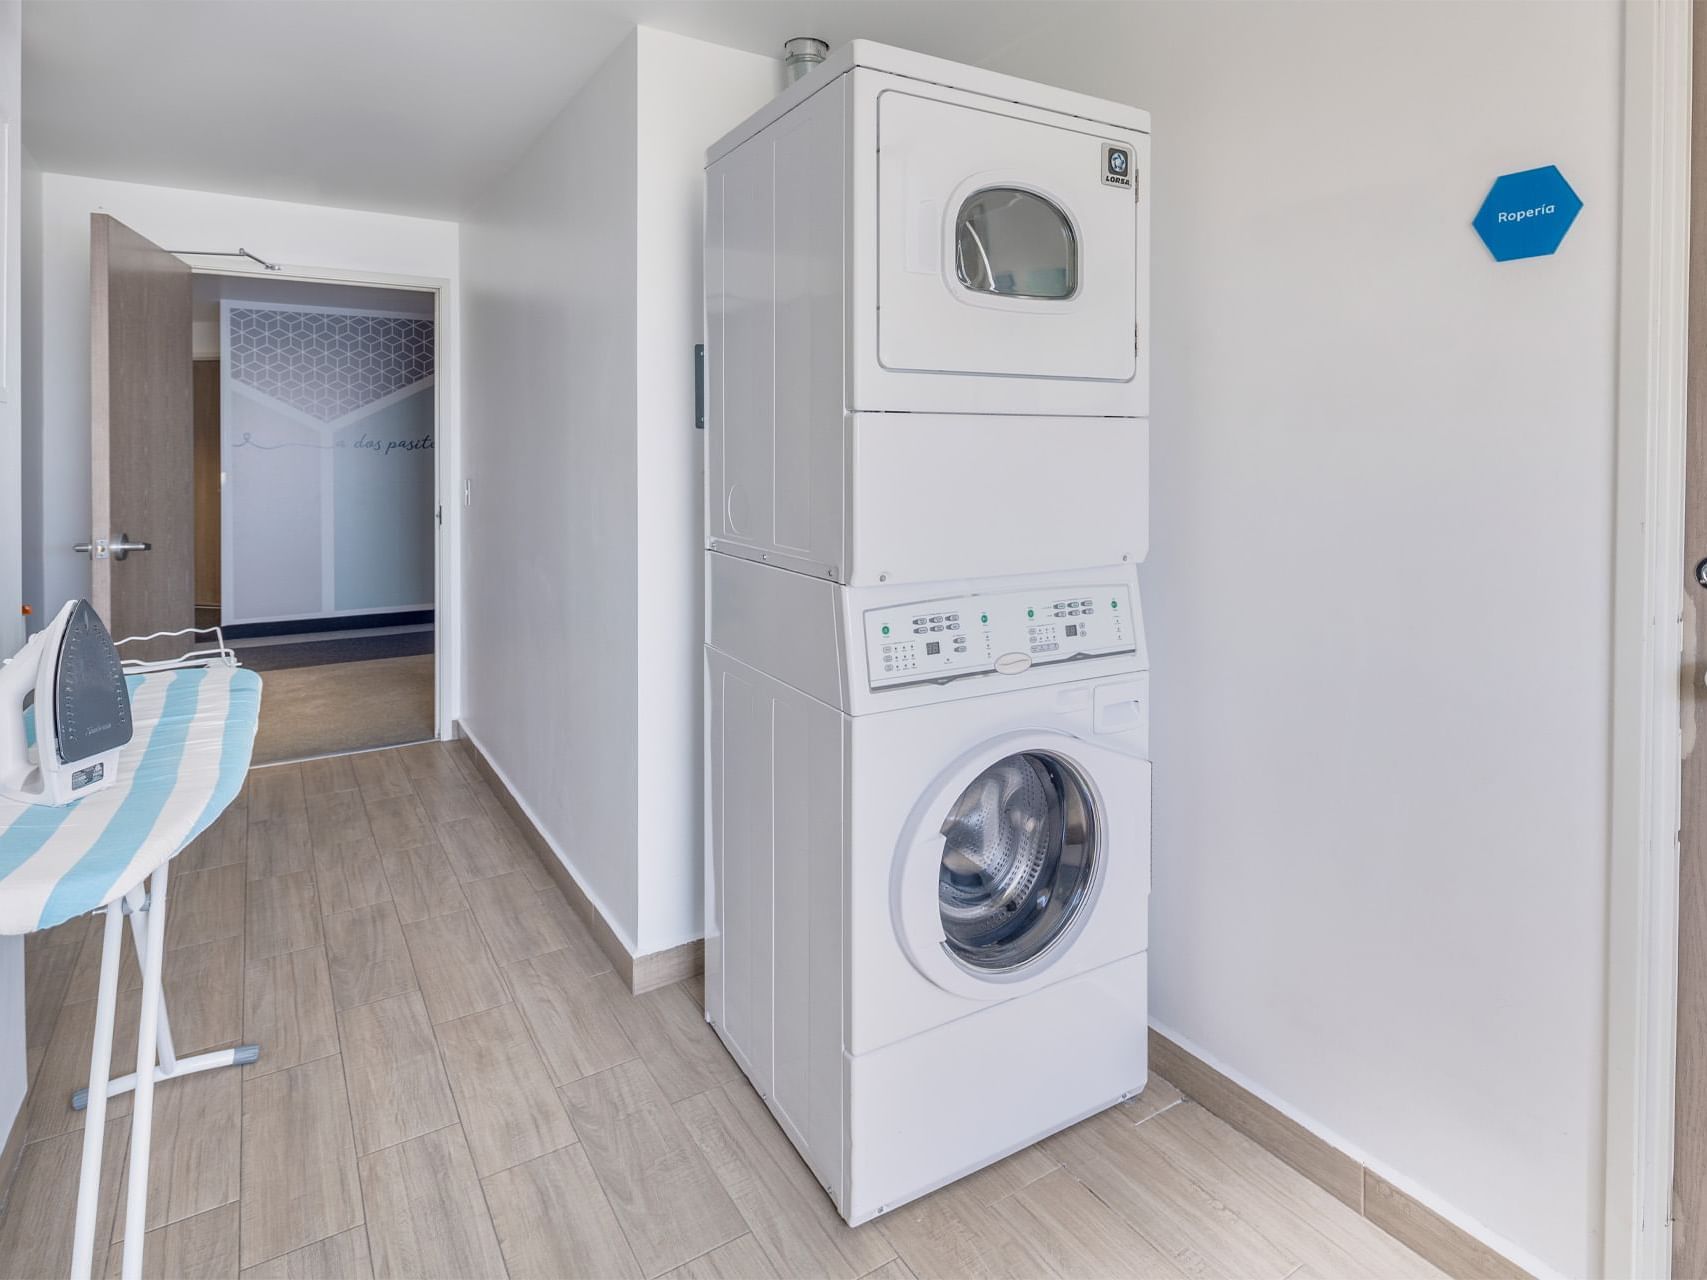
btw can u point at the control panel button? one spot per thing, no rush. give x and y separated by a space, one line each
1053 631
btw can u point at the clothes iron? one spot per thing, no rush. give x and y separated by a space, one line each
82 711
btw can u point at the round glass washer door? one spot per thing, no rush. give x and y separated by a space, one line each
1019 858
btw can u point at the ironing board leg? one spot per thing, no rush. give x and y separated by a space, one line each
148 934
236 1057
171 1066
147 1046
95 1123
168 1055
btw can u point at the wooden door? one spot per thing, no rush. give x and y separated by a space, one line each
1689 1154
141 445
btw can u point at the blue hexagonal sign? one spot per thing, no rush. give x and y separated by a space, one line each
1526 215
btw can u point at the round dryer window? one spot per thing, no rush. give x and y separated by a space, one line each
1018 858
1016 243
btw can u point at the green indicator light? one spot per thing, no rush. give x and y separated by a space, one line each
885 630
983 617
1031 613
1114 604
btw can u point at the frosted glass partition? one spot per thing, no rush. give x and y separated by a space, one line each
326 425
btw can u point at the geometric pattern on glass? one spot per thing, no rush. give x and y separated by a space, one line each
328 363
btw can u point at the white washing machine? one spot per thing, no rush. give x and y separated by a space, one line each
928 863
926 309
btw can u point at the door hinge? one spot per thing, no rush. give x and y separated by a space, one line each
439 513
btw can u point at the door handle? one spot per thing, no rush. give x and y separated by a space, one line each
101 548
124 546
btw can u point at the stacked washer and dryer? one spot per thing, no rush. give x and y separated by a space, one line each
928 783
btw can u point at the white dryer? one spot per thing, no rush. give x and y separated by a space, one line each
926 315
928 862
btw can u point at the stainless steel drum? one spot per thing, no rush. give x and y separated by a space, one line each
1018 858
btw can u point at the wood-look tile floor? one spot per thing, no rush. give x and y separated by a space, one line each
453 1082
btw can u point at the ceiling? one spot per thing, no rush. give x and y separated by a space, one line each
258 97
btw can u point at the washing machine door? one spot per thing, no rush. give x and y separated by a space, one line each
1006 246
1008 858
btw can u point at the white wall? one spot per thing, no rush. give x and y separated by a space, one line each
1379 585
691 93
549 548
305 238
30 380
584 302
11 356
14 1079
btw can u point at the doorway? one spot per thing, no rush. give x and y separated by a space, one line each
316 531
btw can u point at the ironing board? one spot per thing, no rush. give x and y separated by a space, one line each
186 761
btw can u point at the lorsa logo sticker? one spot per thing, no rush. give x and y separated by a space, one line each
1116 165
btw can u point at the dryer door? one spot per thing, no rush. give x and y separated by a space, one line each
1005 246
1011 857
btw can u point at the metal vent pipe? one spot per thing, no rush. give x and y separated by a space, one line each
802 54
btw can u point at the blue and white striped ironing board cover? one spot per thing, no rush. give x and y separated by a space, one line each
194 733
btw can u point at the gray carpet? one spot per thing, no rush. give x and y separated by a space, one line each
348 706
318 653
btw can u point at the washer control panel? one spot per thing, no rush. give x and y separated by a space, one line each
1008 632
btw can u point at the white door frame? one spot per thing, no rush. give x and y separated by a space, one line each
1648 586
447 459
